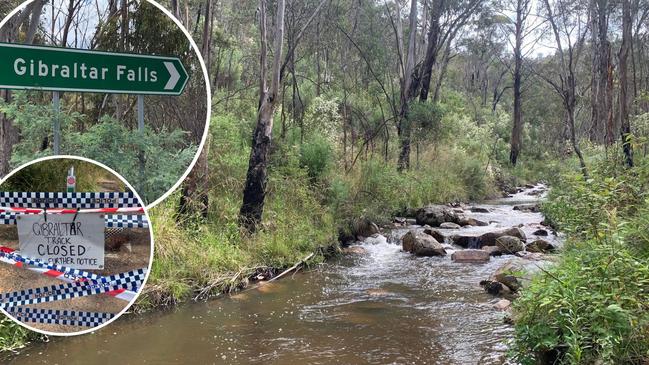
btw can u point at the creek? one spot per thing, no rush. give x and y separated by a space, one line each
384 306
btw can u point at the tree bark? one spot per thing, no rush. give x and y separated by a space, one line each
625 125
254 193
601 99
194 199
431 49
409 83
175 9
517 128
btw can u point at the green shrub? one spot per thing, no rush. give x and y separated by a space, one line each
13 336
316 155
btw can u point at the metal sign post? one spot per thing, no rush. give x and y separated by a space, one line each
56 122
140 129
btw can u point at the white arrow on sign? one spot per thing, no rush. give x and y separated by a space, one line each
175 76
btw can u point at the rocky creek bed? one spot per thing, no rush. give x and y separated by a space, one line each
378 304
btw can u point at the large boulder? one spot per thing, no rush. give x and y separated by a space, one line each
509 244
466 241
470 256
421 244
439 236
489 238
435 215
540 246
364 227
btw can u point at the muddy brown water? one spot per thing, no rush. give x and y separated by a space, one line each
383 307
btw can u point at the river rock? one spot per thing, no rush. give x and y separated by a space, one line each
449 225
470 256
531 256
436 234
540 232
489 238
529 208
495 288
502 304
399 220
466 241
466 221
509 244
434 215
540 246
364 227
493 250
535 192
479 210
375 239
507 275
421 244
356 250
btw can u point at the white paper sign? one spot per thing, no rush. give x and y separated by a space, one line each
62 240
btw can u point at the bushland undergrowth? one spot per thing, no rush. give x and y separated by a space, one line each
593 306
314 192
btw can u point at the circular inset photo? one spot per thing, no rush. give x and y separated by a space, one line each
75 245
119 82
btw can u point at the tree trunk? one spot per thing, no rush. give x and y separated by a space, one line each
194 199
517 128
175 9
601 115
624 83
431 49
409 83
254 193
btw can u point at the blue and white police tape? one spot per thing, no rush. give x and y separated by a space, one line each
60 317
75 273
68 200
131 280
111 220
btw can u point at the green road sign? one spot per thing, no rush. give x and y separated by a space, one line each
69 69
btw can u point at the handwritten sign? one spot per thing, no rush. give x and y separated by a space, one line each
63 240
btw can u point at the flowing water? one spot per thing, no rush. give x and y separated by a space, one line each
381 307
